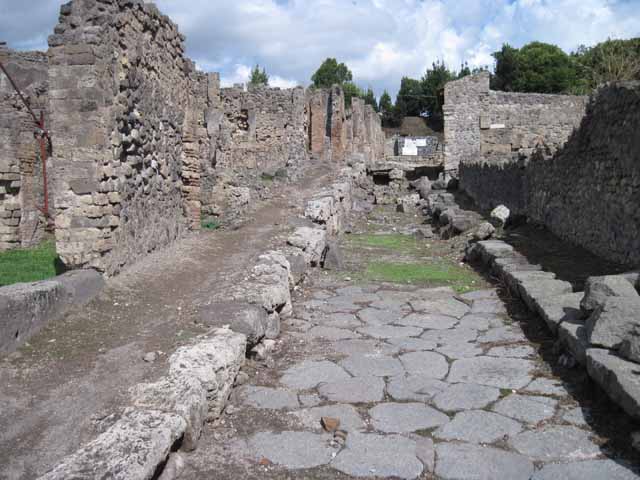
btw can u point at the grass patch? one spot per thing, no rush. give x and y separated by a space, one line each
30 264
459 278
392 241
210 224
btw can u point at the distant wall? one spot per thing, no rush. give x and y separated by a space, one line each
481 124
587 190
21 183
336 132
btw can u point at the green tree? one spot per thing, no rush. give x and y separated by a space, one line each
351 90
410 99
387 110
544 68
331 73
433 82
370 99
609 61
258 77
506 68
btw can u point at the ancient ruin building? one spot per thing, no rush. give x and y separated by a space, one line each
21 180
568 163
144 144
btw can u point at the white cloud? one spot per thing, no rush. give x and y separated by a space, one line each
380 40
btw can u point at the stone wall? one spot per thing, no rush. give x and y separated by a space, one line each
588 191
127 112
21 184
255 132
489 125
336 132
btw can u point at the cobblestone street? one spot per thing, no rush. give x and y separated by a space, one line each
376 379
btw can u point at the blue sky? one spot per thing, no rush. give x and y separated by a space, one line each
380 40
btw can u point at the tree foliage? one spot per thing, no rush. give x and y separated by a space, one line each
609 61
351 90
258 77
331 73
506 68
387 110
544 68
370 99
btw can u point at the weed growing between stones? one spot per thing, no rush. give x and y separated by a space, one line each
210 224
435 274
396 241
29 264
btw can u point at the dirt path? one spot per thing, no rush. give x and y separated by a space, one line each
440 378
57 392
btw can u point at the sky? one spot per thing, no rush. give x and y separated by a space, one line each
380 40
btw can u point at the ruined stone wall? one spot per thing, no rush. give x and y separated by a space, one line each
256 132
127 113
336 132
588 191
319 121
481 124
21 183
518 123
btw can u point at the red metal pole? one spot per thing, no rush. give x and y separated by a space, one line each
43 136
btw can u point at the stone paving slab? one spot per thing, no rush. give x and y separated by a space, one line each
513 373
428 321
366 365
332 333
405 417
350 419
269 398
390 331
446 306
465 396
464 461
588 470
295 450
369 455
354 390
479 426
555 444
528 409
450 337
415 387
428 364
354 347
309 374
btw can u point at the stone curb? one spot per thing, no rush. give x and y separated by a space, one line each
557 304
163 416
25 308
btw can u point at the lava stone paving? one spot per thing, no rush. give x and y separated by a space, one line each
426 383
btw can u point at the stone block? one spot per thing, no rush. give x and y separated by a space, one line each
573 334
532 291
134 447
555 310
618 377
26 307
214 362
312 241
599 289
249 320
614 321
183 396
81 285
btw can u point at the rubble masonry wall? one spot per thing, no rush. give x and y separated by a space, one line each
21 184
586 189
